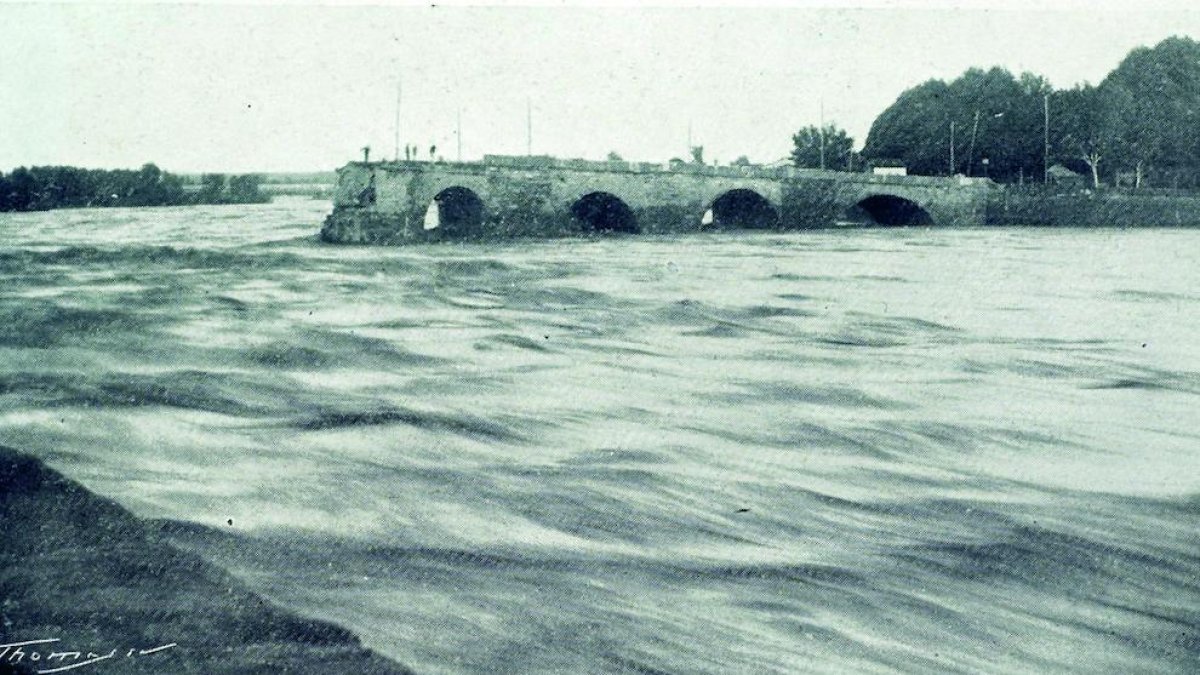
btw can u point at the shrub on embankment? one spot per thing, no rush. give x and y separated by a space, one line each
1107 207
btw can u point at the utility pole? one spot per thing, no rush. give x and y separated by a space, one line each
458 134
951 147
397 148
528 127
822 134
971 151
1046 139
689 143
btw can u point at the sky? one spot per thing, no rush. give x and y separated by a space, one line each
268 87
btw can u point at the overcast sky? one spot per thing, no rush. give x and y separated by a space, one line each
275 88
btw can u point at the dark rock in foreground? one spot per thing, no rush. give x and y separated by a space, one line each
87 580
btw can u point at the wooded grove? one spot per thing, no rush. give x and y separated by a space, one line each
1139 126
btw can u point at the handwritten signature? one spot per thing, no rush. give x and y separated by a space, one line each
34 652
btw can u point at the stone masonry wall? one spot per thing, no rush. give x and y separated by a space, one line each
385 203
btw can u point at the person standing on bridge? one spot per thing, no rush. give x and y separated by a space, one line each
367 196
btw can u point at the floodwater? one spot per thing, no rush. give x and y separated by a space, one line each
855 450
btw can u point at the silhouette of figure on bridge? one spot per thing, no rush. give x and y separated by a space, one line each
367 196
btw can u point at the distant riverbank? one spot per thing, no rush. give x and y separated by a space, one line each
44 188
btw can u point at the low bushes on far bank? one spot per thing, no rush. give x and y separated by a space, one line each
42 188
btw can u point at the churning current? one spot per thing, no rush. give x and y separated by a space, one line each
845 450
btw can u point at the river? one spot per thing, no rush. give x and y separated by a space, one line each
866 450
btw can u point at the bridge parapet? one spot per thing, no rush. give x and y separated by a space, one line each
544 163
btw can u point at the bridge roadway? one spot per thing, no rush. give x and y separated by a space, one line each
408 201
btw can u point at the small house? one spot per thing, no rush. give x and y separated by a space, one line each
1064 177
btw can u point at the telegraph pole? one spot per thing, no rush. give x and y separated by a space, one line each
822 134
1046 139
458 134
397 148
971 151
528 126
951 147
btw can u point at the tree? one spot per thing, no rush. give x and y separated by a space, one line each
172 189
614 157
22 190
144 191
742 160
244 189
697 154
1082 129
914 130
1152 99
816 148
993 114
212 188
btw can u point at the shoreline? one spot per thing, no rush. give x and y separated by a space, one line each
1037 207
84 580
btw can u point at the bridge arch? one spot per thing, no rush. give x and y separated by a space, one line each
604 212
455 210
887 209
740 208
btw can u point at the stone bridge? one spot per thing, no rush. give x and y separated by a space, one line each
403 202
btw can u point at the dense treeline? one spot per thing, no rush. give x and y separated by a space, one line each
989 114
41 188
1139 127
